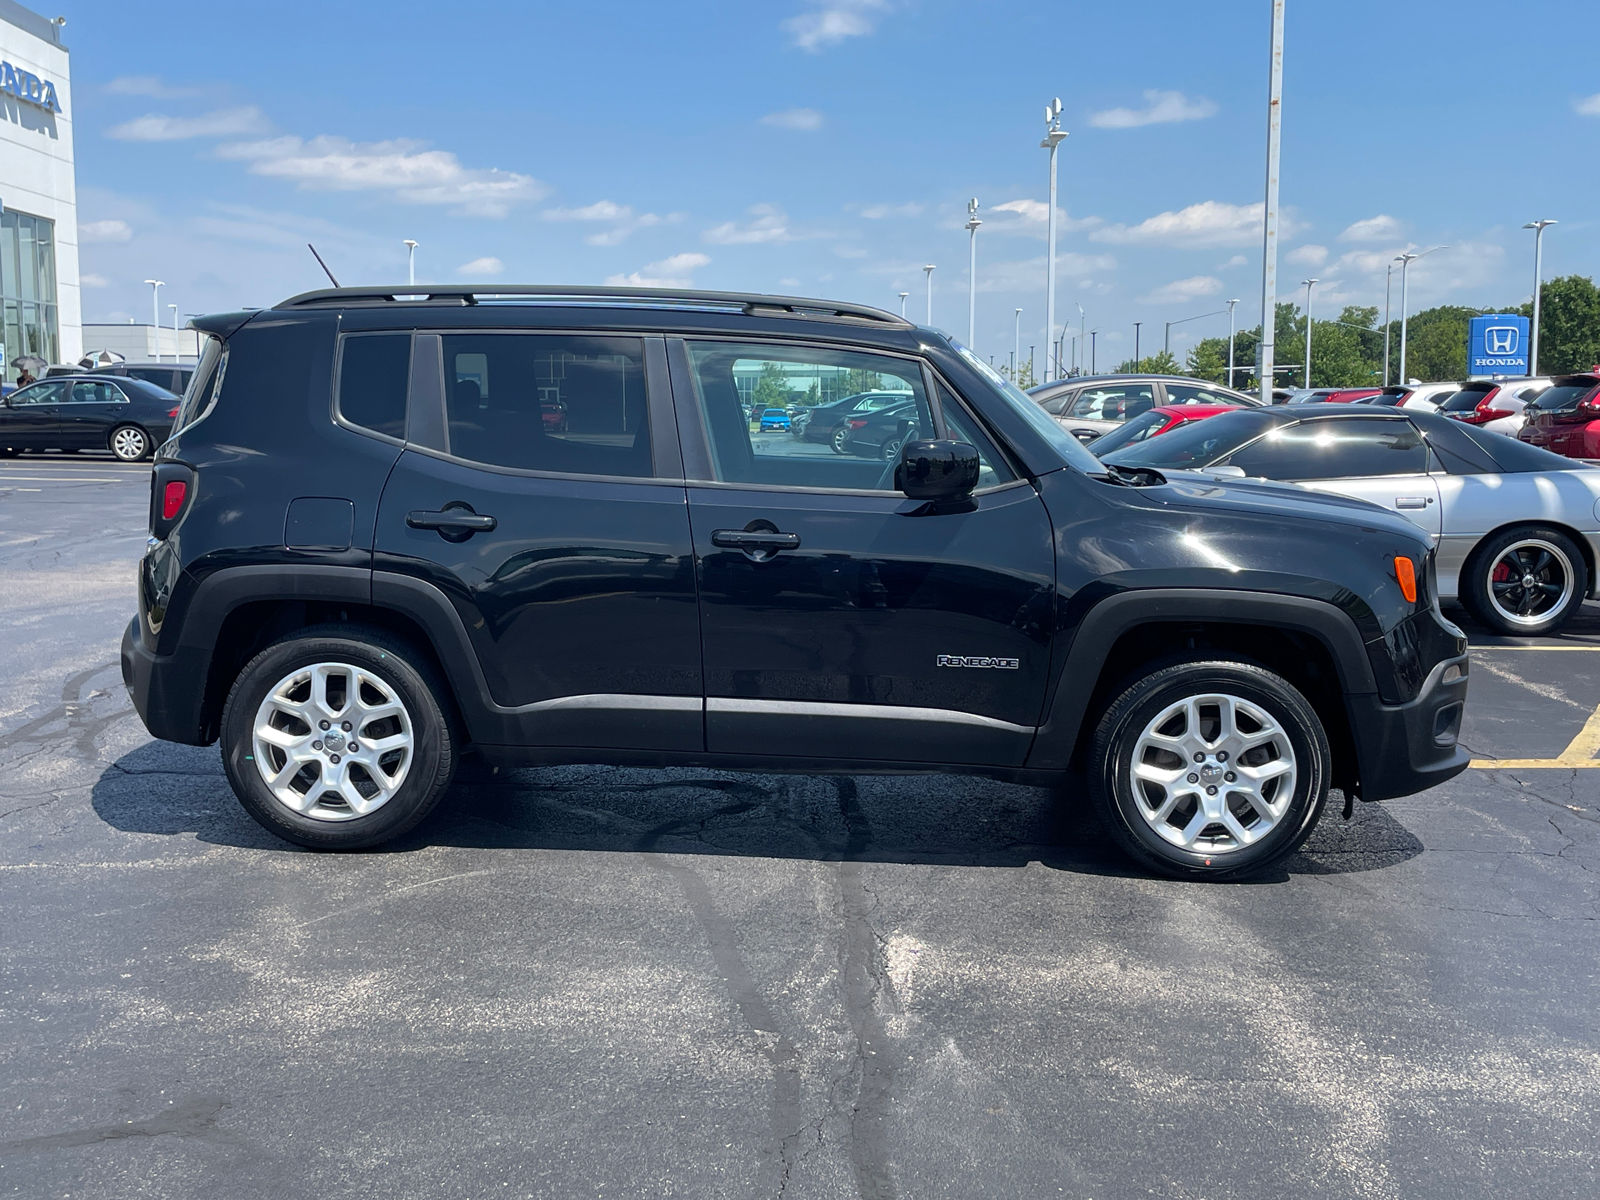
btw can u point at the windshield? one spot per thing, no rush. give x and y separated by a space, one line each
1042 422
1127 433
1562 396
1196 444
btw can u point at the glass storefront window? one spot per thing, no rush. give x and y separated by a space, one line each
27 277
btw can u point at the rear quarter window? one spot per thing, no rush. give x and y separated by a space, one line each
374 380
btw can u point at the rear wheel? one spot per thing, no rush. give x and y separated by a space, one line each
129 443
337 739
1210 770
1525 582
841 440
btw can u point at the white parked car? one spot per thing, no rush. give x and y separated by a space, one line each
1517 528
1496 404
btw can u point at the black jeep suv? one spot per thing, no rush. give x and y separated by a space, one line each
372 551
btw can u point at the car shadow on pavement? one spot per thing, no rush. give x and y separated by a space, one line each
936 819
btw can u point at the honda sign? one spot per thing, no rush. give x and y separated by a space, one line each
1497 345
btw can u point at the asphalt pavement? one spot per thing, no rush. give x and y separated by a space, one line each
589 981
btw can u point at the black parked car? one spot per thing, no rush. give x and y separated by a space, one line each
881 432
370 555
829 423
128 417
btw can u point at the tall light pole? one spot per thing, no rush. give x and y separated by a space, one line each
177 357
411 260
1016 345
903 296
1538 228
1269 240
1310 283
1083 323
972 272
1136 325
1054 135
155 312
1405 260
1388 277
1231 303
1094 351
927 272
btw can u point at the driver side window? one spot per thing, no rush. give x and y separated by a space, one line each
41 393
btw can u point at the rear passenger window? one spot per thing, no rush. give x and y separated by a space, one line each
541 402
374 376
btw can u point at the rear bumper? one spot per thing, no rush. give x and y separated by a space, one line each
167 690
1407 748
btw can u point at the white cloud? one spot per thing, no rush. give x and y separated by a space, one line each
1209 223
850 251
104 231
1028 210
225 122
673 271
1031 217
769 224
481 268
1309 255
807 119
401 167
1028 274
788 283
877 212
1380 228
147 85
89 280
624 220
1367 261
833 21
1182 290
1238 260
1162 108
1589 106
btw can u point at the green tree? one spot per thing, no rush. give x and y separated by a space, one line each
1569 324
772 388
1159 363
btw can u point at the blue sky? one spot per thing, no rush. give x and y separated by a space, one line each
828 148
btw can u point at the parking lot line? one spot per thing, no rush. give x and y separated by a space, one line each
1591 649
1580 752
61 478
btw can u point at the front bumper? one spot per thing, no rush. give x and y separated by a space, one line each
1407 748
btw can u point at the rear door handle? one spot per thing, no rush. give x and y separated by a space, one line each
754 539
1412 501
451 518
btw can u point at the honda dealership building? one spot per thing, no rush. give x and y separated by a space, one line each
39 225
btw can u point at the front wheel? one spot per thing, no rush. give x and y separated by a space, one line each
337 739
1525 582
1210 770
129 443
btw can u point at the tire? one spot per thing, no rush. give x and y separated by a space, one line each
840 441
129 443
1492 592
1162 722
890 450
407 764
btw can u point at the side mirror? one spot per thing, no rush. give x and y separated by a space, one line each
936 469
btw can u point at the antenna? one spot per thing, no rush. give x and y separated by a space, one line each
321 264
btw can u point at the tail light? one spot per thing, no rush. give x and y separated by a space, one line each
857 422
173 415
171 490
1487 411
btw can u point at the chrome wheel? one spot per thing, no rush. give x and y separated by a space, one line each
333 741
1213 773
129 444
1530 580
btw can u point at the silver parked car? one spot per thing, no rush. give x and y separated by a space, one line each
1517 528
1091 405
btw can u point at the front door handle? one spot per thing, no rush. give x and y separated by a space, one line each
1412 501
754 539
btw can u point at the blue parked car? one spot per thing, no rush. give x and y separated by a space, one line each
774 418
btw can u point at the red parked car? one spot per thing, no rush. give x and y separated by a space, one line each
1565 417
1154 423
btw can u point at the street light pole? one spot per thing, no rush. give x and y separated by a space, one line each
176 356
903 296
1016 345
411 260
1269 241
1083 322
1310 283
972 272
1231 303
1388 276
1094 351
1538 228
155 311
1405 261
927 272
1053 137
1136 325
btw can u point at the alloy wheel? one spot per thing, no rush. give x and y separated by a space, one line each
1530 580
333 741
129 444
1213 773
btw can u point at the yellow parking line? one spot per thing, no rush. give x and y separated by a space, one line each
1580 752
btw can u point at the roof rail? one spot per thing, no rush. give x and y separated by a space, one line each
751 303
